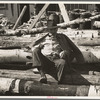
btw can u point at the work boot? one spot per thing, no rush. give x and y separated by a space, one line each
43 80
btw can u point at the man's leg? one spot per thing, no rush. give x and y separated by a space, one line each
43 64
38 60
60 64
43 78
62 68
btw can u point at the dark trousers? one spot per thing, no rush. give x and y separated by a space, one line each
54 68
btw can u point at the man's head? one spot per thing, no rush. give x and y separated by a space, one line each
52 22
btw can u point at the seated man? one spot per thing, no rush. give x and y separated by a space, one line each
52 53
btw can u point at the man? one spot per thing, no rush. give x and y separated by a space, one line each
52 53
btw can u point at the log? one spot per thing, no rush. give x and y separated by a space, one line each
78 21
75 36
30 31
10 47
18 55
12 56
19 32
70 33
16 71
64 12
39 15
11 86
96 24
81 79
20 17
90 42
86 33
72 78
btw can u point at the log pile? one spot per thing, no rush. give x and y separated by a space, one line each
18 55
11 86
23 87
79 83
8 29
78 19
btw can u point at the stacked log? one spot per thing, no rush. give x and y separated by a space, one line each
12 86
96 24
20 32
93 24
78 21
73 16
14 56
80 83
18 55
85 25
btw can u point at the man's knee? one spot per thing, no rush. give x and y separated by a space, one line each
62 61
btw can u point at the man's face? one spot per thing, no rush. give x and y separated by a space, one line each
51 25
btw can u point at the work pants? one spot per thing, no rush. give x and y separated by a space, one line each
54 68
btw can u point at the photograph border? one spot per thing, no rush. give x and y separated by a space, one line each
48 97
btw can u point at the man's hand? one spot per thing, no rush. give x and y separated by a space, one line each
55 55
42 45
63 54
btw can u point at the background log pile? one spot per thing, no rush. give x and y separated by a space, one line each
80 19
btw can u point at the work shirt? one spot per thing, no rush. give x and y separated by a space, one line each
61 43
51 46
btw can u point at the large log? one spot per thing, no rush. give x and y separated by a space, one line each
10 86
11 56
18 55
71 78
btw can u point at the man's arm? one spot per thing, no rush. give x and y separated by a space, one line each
38 41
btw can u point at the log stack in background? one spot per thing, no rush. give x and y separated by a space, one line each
74 15
83 14
20 87
79 83
94 22
85 25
